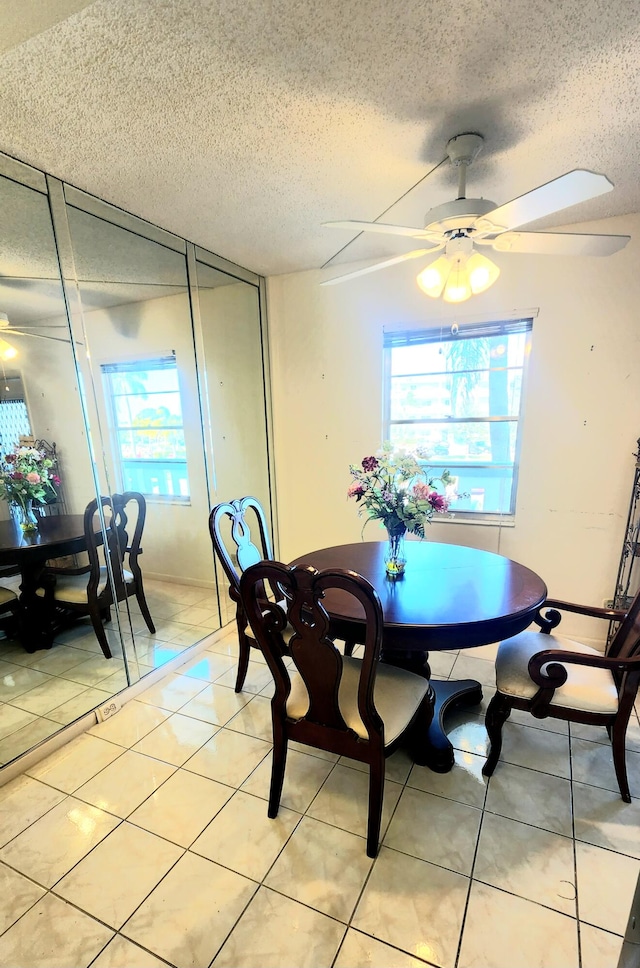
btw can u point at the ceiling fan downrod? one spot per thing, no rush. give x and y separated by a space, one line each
462 151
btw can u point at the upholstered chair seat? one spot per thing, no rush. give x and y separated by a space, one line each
586 687
73 588
551 675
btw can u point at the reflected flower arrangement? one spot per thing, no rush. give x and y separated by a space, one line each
28 475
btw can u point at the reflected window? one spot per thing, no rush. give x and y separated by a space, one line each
457 395
147 426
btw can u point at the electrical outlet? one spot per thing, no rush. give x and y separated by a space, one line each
108 710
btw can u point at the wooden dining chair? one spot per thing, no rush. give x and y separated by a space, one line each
87 590
8 610
550 675
236 551
359 708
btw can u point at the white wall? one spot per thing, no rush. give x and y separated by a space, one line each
581 412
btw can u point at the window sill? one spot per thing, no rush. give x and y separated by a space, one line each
478 518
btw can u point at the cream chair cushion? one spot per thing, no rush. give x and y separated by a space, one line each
590 689
397 695
73 588
6 596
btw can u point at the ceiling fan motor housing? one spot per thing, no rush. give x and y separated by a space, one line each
460 214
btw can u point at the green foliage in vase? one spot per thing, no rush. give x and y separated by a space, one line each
395 487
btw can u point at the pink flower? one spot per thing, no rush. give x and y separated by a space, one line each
56 480
33 478
438 501
421 492
369 463
10 458
17 476
355 490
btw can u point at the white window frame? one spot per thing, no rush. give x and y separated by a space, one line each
157 361
445 333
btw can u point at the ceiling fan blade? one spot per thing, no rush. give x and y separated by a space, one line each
406 230
18 332
559 243
570 189
415 254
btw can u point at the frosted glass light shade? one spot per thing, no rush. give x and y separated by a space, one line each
432 279
7 351
458 287
482 272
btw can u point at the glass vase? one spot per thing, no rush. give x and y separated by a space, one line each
26 516
394 560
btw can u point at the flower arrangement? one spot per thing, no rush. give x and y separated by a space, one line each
27 475
395 488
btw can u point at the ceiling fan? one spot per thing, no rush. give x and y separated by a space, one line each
9 352
463 226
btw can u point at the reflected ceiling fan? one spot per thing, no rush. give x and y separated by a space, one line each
9 352
465 225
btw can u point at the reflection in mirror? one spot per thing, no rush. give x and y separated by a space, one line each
46 680
139 373
235 398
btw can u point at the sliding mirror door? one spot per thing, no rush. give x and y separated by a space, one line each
234 402
140 378
41 689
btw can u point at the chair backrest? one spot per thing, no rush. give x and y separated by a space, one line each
242 552
626 641
122 550
316 658
130 507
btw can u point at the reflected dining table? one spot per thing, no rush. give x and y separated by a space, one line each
57 535
451 597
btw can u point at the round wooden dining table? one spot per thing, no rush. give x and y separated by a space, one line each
451 597
57 535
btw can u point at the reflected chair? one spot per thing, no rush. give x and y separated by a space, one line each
359 708
550 675
236 552
8 609
87 590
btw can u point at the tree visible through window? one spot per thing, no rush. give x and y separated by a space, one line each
458 396
148 427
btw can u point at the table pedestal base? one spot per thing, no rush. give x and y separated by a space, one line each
449 696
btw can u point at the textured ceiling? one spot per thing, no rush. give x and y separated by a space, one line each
243 124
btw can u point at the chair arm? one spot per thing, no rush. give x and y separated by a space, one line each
555 674
552 617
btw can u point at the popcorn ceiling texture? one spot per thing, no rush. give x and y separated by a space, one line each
243 124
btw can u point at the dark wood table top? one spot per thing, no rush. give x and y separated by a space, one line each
451 596
56 535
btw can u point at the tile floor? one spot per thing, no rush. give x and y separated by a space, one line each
43 691
145 842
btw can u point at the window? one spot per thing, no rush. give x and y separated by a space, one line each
146 413
457 393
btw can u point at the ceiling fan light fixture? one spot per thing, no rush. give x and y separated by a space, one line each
458 287
7 351
482 273
432 280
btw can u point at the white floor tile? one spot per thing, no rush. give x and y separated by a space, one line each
74 764
276 931
216 704
130 724
125 784
531 797
243 838
187 917
443 832
182 807
413 905
119 874
228 757
18 895
599 949
344 800
52 845
604 878
532 863
362 951
121 953
464 782
175 740
323 867
22 802
53 934
508 932
604 819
